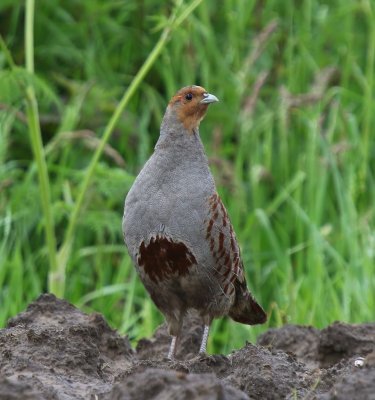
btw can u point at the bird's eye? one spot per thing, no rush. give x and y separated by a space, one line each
189 96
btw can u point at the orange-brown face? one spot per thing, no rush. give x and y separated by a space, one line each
190 104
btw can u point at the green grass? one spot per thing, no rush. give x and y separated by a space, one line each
291 144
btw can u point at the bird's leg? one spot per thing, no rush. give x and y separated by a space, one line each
174 328
172 348
203 347
209 359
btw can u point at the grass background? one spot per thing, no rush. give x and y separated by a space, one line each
291 145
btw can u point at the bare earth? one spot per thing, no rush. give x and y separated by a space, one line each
54 351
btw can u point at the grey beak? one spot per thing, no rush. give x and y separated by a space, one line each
209 98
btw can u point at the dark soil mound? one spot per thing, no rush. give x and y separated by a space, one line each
54 351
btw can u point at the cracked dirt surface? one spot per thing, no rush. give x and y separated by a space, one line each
54 351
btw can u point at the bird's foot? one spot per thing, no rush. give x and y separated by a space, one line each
210 359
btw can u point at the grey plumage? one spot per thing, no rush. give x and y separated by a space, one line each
177 230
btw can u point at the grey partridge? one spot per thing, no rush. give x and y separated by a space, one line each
177 229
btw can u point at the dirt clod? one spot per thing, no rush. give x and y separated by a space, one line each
54 351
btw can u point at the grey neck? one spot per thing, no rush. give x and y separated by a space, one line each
176 141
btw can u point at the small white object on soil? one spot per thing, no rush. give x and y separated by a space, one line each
359 362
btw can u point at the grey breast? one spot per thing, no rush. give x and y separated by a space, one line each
169 196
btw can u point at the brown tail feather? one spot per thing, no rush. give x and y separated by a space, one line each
246 310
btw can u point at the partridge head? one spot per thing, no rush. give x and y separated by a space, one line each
178 231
